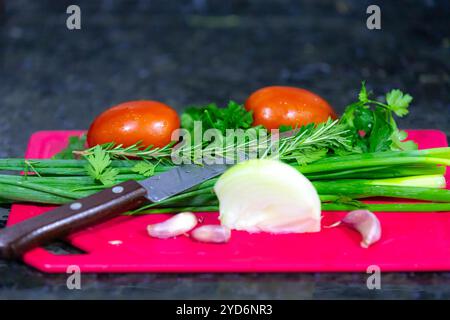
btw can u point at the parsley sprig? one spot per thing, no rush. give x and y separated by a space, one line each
99 166
372 122
234 116
75 144
146 168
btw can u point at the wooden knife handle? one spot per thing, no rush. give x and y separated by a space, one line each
20 237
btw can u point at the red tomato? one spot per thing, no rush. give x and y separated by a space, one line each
150 122
277 105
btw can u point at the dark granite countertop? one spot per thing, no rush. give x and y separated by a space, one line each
200 51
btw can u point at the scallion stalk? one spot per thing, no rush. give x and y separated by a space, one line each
426 181
432 152
390 207
379 172
24 194
358 189
344 165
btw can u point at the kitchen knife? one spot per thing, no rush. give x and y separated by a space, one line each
108 203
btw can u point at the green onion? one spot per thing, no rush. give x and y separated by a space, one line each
390 207
24 194
433 153
43 188
342 165
427 181
384 207
378 172
360 189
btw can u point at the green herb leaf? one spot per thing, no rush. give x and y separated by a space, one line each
189 117
99 161
234 116
379 139
398 102
363 96
348 117
398 144
108 177
285 128
363 120
76 143
145 168
311 156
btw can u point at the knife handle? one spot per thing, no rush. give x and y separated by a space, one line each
20 237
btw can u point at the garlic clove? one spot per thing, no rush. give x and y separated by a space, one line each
366 223
178 224
211 233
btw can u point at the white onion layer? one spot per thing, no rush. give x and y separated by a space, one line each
268 196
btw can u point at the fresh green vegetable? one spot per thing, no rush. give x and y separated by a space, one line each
134 151
76 143
398 102
145 168
357 189
234 116
379 172
313 142
372 123
99 166
390 207
375 162
385 207
428 181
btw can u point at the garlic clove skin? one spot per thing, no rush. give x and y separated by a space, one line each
211 234
366 223
178 224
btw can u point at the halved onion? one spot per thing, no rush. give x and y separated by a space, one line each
267 195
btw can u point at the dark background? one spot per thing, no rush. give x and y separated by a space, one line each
200 51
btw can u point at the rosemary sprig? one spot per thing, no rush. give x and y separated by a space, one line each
306 144
134 151
313 142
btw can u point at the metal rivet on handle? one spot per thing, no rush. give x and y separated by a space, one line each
117 189
76 206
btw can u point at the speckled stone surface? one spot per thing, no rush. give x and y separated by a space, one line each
201 51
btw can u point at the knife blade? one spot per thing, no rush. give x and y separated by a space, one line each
179 179
23 236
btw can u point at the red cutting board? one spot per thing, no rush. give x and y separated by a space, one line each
410 241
